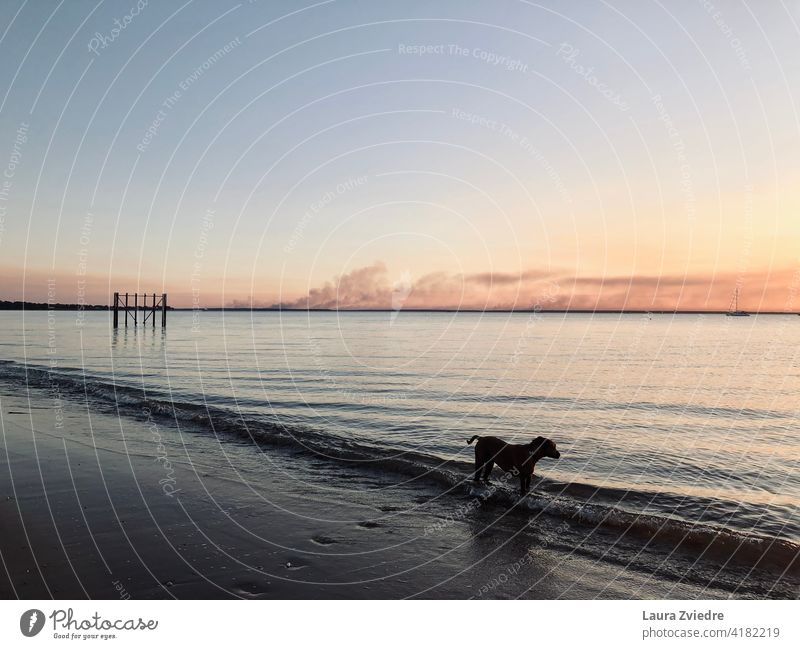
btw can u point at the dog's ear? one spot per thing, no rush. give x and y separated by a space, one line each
537 443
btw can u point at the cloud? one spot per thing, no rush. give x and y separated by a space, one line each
371 287
362 288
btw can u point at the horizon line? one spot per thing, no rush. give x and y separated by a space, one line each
43 306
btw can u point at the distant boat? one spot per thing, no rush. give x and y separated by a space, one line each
733 309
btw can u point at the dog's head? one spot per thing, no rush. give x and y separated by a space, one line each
543 447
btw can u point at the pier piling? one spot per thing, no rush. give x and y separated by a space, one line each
149 310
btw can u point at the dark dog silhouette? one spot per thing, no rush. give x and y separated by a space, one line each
515 458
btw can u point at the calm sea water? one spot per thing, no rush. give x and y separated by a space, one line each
688 419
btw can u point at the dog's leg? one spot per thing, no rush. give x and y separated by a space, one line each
479 464
524 483
487 470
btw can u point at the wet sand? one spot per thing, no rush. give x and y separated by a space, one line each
83 520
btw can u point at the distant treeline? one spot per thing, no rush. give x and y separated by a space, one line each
16 305
6 305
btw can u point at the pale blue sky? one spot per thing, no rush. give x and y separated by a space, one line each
324 95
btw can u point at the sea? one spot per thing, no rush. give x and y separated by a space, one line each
678 433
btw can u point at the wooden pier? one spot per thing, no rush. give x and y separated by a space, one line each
149 308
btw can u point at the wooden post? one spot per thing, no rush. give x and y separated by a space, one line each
149 309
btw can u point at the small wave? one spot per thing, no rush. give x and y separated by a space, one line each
586 404
717 544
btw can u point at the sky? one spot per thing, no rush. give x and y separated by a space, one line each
353 154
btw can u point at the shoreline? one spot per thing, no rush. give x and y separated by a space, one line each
88 520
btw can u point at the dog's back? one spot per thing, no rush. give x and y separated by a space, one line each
493 449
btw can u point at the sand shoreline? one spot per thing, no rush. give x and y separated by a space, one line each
90 520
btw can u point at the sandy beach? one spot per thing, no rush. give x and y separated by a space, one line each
83 520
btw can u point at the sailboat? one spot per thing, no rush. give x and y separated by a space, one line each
733 309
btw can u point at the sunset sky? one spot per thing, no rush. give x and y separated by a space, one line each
637 155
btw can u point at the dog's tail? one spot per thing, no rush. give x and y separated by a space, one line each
473 438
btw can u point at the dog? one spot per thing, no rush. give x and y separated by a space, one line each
514 458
